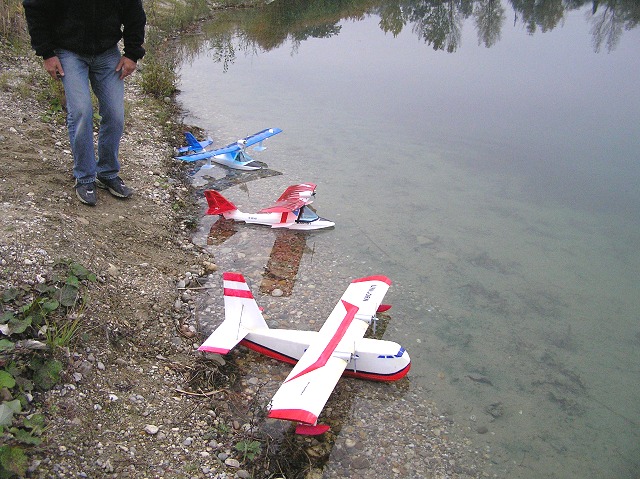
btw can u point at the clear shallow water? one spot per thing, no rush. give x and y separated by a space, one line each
497 187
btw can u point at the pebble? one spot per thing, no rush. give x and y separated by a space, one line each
210 267
217 358
231 462
151 429
360 462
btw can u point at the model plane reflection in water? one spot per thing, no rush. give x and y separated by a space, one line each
320 357
233 155
289 211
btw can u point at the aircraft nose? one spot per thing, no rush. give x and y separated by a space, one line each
326 223
406 358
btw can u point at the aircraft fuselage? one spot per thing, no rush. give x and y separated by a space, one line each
374 359
279 220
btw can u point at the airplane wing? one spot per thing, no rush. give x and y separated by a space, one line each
307 388
197 156
231 150
294 197
249 140
259 137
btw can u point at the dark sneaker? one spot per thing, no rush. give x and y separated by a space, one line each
86 192
115 186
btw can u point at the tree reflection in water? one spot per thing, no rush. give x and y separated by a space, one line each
436 22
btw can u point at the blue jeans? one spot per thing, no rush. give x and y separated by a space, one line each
99 71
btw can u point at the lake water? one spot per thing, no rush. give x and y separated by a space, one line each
495 183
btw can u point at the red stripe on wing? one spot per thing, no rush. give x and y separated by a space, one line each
299 415
211 349
333 343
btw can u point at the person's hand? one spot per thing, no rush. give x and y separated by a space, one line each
126 66
54 68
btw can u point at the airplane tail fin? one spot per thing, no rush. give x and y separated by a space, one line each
218 204
192 141
241 316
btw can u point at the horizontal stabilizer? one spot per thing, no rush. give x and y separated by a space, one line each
241 316
224 338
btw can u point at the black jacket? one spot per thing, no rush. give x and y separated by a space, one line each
86 27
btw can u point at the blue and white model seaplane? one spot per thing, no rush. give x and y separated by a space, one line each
289 211
320 357
234 155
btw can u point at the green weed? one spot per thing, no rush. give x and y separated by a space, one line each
159 77
249 449
60 335
55 308
12 22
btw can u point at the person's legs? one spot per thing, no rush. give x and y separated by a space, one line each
109 89
79 114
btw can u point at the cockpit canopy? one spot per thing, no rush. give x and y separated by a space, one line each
307 215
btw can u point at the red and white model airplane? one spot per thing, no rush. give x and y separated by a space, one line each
320 357
289 211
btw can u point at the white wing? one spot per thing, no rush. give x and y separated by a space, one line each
307 388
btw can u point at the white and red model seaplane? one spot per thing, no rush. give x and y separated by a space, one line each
289 211
320 357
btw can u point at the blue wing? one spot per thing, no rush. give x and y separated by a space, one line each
230 152
196 156
259 137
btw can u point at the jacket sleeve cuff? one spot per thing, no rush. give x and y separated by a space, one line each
134 54
131 57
